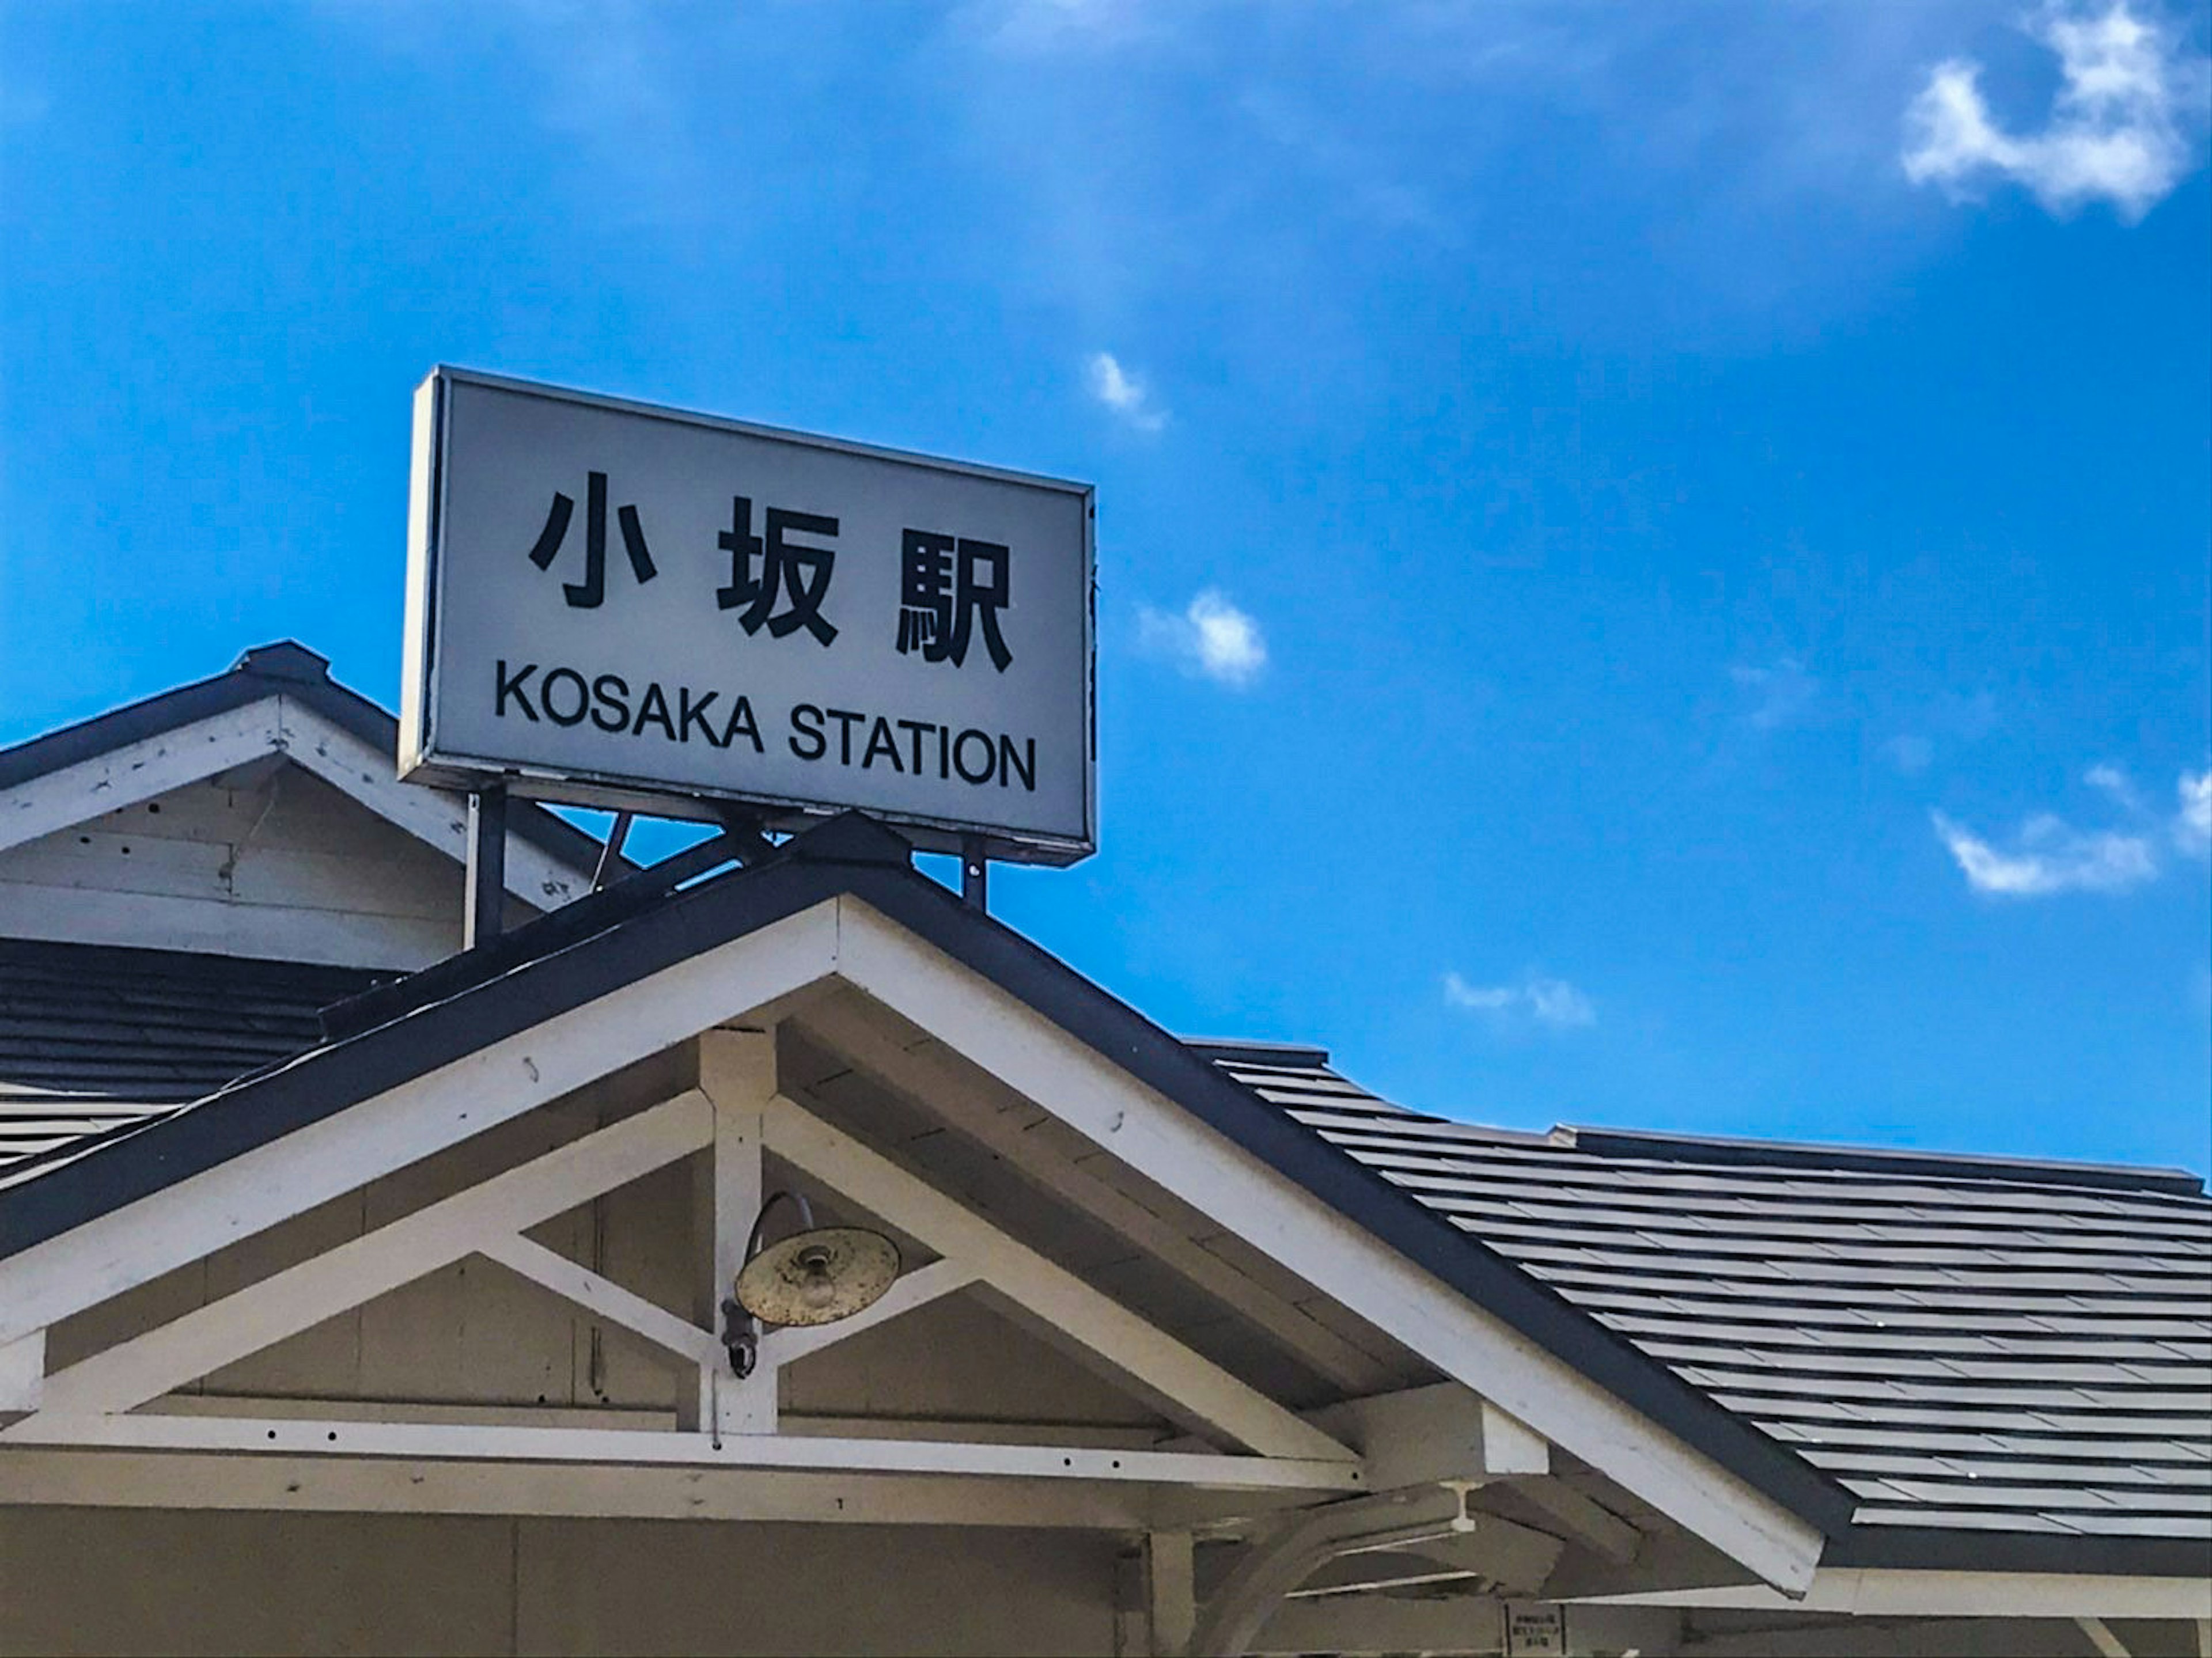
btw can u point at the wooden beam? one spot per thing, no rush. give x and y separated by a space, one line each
2100 1634
1170 1592
634 1447
23 1372
738 1074
1174 1148
139 771
248 1193
604 1299
436 817
1282 1554
1048 1292
311 1484
916 1288
267 1311
1590 1520
979 1106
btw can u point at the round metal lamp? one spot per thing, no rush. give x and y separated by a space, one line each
815 1275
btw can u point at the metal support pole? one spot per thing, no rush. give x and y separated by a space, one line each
611 854
974 873
485 897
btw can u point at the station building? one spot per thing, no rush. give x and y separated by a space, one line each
360 1293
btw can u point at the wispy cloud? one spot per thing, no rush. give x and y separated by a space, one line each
2048 856
1777 696
1210 637
2192 823
2113 782
1124 393
2121 127
1553 1003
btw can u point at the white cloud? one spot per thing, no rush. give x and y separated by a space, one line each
1550 1002
2049 856
2113 781
1124 393
1210 637
1779 696
2120 128
2192 824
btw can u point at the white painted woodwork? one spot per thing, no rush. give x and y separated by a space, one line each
154 921
1585 1517
1894 1592
137 772
315 1482
916 1288
23 1372
499 1082
171 1354
604 1299
1170 1592
1284 1552
1048 1292
1511 1446
219 836
738 1074
473 1442
437 817
932 1074
1420 1436
1169 1145
1092 1435
2108 1644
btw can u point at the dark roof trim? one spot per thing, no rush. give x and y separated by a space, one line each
1936 1548
286 668
1275 1053
850 855
1872 1160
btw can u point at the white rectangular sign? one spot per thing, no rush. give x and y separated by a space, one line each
613 605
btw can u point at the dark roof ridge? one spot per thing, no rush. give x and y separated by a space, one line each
1233 1051
1873 1159
281 667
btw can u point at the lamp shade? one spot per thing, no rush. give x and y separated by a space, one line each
818 1276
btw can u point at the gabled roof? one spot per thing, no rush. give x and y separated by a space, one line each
286 668
1738 1307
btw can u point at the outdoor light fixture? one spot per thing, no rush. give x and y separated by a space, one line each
816 1275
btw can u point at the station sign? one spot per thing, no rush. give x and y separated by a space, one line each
612 604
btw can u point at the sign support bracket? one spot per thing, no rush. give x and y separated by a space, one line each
484 898
974 873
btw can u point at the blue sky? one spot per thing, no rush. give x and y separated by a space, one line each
1653 560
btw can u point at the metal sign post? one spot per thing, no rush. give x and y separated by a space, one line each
485 882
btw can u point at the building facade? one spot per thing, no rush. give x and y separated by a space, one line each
359 1293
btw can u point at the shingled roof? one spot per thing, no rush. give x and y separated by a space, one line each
94 1038
1943 1362
1980 1345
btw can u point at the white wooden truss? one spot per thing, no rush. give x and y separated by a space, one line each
1240 1442
727 1122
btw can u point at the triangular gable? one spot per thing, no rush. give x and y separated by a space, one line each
841 906
255 813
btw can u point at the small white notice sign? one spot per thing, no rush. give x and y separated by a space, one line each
613 605
1536 1629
